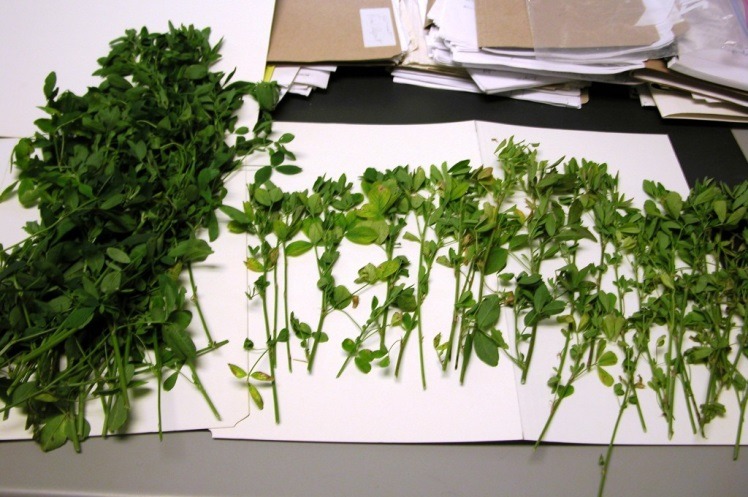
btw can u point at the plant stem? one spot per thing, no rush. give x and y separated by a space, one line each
196 301
315 338
286 321
203 392
742 403
271 349
609 452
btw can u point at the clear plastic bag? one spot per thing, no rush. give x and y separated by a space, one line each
715 45
602 30
715 24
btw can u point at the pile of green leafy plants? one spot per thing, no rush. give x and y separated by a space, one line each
123 176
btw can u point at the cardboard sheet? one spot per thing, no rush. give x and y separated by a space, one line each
506 23
68 36
334 31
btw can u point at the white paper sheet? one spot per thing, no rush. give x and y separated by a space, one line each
590 417
495 81
377 407
434 80
319 407
679 105
68 36
491 405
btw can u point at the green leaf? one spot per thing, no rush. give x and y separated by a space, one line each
260 376
541 297
613 325
565 391
171 381
737 216
649 187
256 396
651 208
362 235
266 94
297 248
263 174
253 264
235 214
7 193
112 202
118 414
673 204
720 209
554 307
341 297
697 355
362 364
605 377
78 318
111 281
196 71
53 433
388 268
288 169
140 150
608 358
192 250
27 193
24 392
667 281
496 260
575 211
518 242
262 197
237 371
575 233
348 345
49 85
314 230
180 343
486 349
488 312
286 138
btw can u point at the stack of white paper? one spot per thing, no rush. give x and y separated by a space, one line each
300 80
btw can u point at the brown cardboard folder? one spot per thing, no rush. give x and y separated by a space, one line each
577 24
311 31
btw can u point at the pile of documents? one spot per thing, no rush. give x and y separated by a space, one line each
537 50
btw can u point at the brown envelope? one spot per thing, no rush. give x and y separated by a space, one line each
506 23
310 31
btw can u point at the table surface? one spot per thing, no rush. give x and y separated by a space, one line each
194 464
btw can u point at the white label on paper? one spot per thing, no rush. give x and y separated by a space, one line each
376 25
